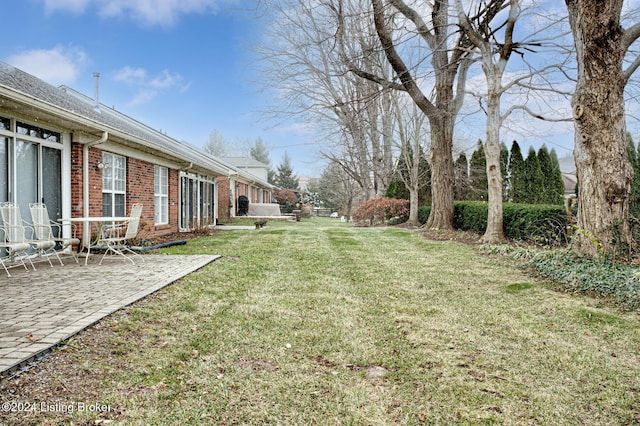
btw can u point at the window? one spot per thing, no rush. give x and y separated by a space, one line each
114 179
161 194
197 201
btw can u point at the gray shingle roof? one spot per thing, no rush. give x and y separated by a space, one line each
71 101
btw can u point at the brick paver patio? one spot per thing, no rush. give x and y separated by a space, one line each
40 309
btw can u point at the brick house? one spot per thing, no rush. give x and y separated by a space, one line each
82 158
249 178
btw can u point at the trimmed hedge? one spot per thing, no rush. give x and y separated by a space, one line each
545 224
423 214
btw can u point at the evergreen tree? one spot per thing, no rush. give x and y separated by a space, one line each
558 183
504 169
546 195
533 176
284 177
260 152
397 188
634 195
478 186
461 177
517 179
424 192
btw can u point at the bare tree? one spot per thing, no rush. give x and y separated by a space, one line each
494 56
217 146
302 63
448 51
412 132
600 151
337 189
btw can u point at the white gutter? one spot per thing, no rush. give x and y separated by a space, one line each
85 180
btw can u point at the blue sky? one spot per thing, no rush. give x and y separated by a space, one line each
186 67
180 66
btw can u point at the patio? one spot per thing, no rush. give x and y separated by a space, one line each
40 309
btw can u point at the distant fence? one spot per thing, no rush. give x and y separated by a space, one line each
320 212
323 212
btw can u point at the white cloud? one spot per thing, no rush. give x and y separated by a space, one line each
60 65
147 86
143 96
165 79
131 75
147 12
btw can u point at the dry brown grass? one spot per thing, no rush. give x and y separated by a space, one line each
321 323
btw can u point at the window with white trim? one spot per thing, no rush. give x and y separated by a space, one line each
161 194
114 185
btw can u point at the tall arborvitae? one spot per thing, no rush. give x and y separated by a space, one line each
533 176
634 195
478 185
424 194
549 193
397 187
461 177
558 183
504 169
517 179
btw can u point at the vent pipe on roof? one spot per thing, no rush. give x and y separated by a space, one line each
96 105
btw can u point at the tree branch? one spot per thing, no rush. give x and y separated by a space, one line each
630 35
533 114
397 63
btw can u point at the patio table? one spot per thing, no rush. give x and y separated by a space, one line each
96 222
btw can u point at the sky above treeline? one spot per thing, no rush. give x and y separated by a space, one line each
187 68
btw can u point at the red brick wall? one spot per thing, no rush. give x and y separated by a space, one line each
174 205
140 189
76 180
224 194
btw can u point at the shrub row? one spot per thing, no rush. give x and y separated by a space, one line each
380 210
543 224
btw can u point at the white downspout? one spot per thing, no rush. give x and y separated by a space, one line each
85 180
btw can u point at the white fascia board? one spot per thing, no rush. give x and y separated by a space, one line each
89 124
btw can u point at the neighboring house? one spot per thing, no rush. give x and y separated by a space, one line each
82 158
249 178
569 177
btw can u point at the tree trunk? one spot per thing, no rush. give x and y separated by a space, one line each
494 232
413 206
441 216
414 174
603 169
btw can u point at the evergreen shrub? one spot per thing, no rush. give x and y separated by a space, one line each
544 224
423 214
470 216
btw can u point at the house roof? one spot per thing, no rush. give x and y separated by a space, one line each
245 162
70 109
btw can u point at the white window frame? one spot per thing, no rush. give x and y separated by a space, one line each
161 194
112 176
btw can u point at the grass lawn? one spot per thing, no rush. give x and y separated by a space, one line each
318 322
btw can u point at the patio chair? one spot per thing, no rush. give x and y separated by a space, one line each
15 239
43 227
111 238
12 251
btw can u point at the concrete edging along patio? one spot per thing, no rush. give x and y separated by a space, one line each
43 308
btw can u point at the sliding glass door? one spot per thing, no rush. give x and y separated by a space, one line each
197 207
30 167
